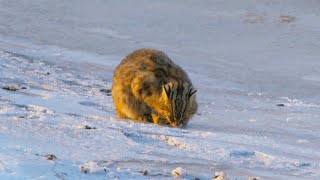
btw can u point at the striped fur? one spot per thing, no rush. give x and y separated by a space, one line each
183 105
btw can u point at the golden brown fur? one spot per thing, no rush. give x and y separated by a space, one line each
148 86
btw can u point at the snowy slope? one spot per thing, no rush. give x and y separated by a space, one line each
245 58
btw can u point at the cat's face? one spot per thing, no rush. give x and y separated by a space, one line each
180 103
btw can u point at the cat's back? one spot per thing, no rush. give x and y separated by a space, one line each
144 61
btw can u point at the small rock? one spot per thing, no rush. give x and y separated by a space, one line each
144 172
89 127
92 167
23 87
108 91
10 88
286 19
254 178
302 164
178 172
48 73
84 169
50 157
220 176
280 105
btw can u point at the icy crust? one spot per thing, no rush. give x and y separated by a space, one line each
62 125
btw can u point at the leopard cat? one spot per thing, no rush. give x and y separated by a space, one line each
148 86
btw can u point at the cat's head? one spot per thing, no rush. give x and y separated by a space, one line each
179 102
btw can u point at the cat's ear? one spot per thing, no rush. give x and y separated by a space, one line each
167 88
192 93
192 101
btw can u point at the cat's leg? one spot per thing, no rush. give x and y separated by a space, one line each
158 119
148 89
130 107
147 118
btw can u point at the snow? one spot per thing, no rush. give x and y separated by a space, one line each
255 65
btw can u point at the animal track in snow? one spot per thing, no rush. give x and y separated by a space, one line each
242 154
172 141
265 158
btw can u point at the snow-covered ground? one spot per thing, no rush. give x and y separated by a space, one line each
255 64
